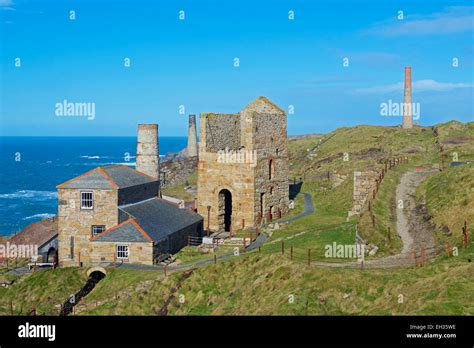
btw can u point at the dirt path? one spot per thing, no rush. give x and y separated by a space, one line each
414 228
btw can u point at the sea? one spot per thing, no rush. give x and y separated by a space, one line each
32 167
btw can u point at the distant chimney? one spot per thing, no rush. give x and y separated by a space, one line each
148 161
407 121
192 150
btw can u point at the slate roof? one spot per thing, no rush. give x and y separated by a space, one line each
160 218
128 231
153 219
37 233
109 177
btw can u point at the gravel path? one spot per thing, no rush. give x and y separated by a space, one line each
414 230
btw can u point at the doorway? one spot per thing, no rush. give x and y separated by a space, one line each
225 210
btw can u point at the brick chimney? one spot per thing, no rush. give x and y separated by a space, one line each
407 121
148 161
192 150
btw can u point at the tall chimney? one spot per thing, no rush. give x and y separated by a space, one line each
148 161
407 121
192 150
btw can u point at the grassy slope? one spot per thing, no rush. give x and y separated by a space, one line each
43 291
449 197
261 284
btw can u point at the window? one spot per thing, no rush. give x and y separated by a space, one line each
96 229
87 200
270 169
122 251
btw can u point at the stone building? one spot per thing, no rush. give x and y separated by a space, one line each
115 213
243 167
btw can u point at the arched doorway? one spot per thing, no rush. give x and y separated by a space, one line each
225 210
52 256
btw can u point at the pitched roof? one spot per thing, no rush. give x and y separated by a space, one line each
262 105
159 218
37 233
127 231
109 177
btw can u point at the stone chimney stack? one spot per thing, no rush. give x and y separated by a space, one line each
192 150
407 121
148 161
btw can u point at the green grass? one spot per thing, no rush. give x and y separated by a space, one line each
179 191
42 290
260 284
450 201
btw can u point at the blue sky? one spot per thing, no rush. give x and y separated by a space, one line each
190 62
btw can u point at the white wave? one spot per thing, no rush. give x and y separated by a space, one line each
90 157
41 216
30 194
110 164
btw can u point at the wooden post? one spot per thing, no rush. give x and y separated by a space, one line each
448 249
389 235
215 259
464 232
309 257
166 266
291 252
78 258
373 194
282 247
243 223
370 206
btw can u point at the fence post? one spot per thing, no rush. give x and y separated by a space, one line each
448 249
215 259
309 257
370 206
243 223
388 235
282 247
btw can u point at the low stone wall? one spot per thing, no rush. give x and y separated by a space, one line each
365 182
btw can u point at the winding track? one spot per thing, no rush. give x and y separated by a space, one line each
414 231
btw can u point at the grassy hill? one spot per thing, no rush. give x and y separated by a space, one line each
263 282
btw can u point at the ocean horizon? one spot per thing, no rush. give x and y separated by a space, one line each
32 167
